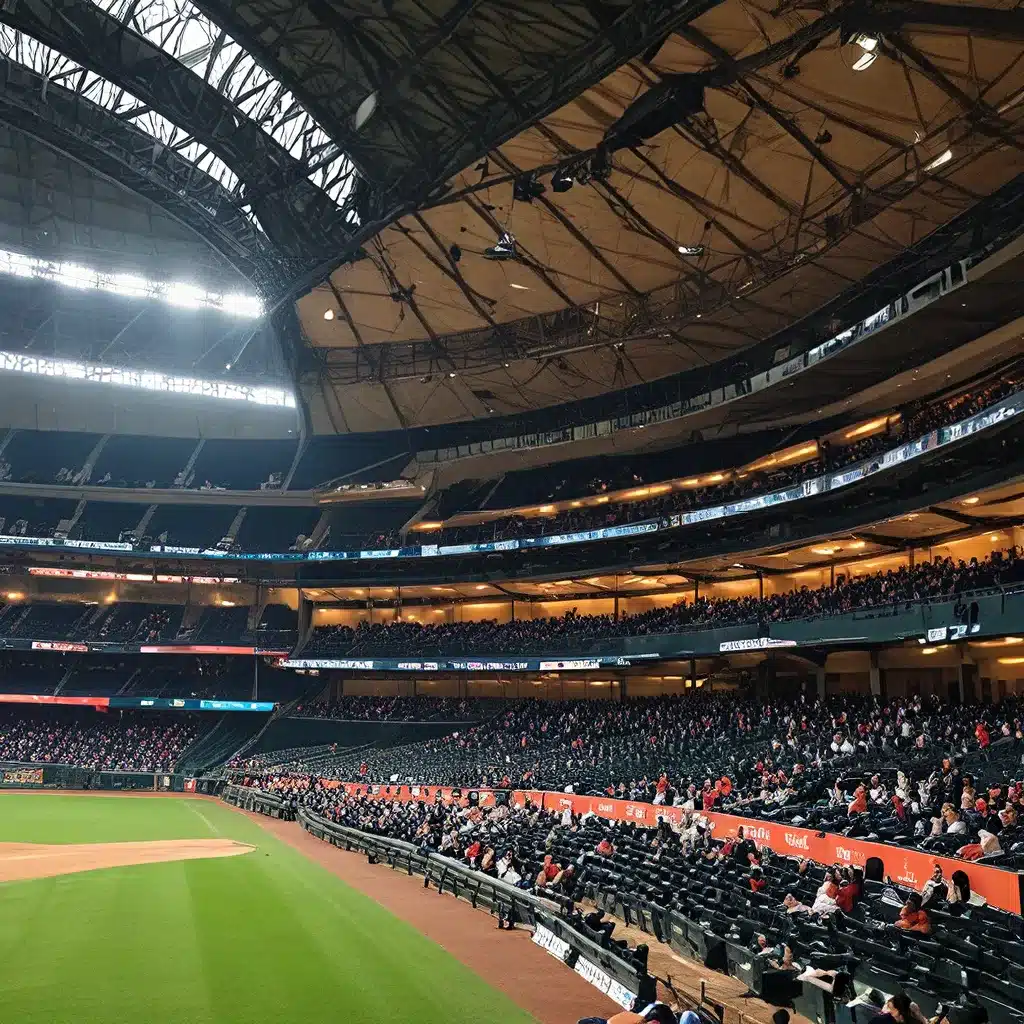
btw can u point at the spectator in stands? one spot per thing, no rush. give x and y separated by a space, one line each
935 889
912 422
913 918
941 578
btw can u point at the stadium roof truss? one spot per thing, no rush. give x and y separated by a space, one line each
157 97
733 164
758 166
247 111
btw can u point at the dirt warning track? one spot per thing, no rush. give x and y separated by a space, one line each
22 861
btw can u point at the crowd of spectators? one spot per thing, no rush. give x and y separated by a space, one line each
942 578
776 756
396 709
117 741
914 772
140 623
914 422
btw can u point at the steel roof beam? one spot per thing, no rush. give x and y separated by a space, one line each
89 135
300 218
308 52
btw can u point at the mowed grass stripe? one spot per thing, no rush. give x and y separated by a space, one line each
55 818
268 937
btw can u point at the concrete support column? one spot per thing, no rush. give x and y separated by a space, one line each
820 679
875 675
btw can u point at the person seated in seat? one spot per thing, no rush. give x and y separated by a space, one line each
794 906
899 1009
912 918
656 1013
836 983
825 900
952 823
605 848
781 958
850 889
549 871
934 892
859 803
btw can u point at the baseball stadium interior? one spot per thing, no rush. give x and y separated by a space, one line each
572 452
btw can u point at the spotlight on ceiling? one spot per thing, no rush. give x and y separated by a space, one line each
328 314
869 50
690 250
365 111
561 180
527 188
505 249
940 161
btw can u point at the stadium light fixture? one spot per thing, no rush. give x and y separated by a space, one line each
690 250
174 293
145 380
365 111
940 161
505 249
328 314
601 165
561 181
869 50
527 188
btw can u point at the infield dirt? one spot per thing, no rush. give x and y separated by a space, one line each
21 861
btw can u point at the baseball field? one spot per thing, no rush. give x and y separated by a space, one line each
184 911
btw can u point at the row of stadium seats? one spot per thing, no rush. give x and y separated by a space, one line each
913 422
46 457
940 578
123 742
915 773
132 622
378 523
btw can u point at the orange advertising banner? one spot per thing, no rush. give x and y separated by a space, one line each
911 868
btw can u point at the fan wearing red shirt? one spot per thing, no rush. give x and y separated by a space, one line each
912 918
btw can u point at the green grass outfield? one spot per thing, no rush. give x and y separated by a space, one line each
265 938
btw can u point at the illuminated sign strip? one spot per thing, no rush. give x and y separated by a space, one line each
58 572
145 380
132 286
146 703
485 663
